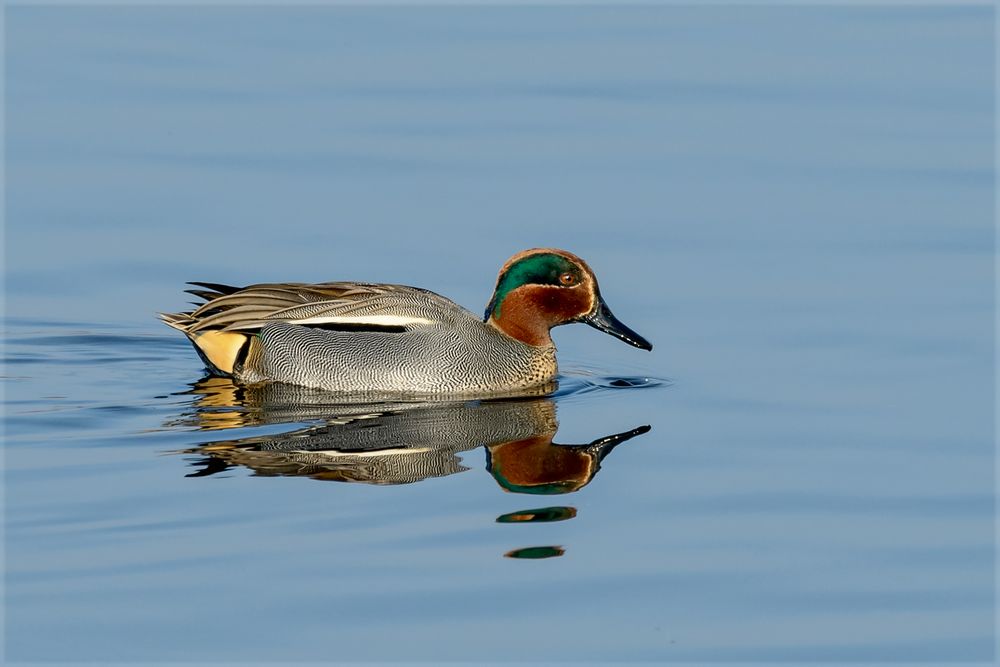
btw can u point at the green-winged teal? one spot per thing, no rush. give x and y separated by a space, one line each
377 338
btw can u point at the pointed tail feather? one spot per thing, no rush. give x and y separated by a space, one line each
179 321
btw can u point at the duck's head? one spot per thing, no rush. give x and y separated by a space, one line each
542 288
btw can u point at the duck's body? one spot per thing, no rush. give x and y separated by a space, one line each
364 337
353 337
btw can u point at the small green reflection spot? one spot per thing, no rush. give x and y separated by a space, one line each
536 552
543 515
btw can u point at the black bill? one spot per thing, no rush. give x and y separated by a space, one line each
604 320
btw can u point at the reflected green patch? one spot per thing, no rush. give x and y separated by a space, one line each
543 515
534 553
555 488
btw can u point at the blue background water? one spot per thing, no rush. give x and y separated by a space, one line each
794 204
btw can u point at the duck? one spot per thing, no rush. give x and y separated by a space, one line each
387 339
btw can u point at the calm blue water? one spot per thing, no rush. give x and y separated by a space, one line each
795 205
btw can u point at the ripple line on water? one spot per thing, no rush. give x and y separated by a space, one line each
574 384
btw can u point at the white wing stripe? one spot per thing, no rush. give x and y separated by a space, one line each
374 320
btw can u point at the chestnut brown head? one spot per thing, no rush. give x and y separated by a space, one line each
542 288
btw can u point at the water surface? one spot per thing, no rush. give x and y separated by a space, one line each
794 205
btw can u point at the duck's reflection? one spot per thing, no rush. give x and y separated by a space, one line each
221 404
393 442
398 442
384 444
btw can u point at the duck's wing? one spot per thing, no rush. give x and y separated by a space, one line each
222 328
345 306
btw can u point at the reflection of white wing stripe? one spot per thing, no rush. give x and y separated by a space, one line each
333 453
374 320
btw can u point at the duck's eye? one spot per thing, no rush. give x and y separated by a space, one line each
567 279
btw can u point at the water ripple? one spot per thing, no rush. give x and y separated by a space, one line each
578 384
